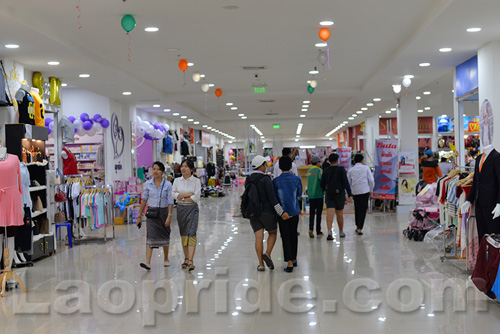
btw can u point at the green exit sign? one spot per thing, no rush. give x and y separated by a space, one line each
259 90
276 126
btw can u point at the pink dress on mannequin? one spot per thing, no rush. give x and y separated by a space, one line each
11 205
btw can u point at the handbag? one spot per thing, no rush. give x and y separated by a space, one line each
38 206
44 226
59 217
60 196
155 212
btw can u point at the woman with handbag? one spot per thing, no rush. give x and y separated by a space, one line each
186 190
157 193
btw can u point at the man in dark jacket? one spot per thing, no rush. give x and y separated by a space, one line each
270 207
335 184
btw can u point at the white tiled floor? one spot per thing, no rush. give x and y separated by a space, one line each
382 255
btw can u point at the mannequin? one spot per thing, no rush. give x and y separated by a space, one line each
26 105
485 192
70 163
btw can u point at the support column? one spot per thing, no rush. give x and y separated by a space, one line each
371 133
488 62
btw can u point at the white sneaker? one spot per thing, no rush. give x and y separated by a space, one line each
166 264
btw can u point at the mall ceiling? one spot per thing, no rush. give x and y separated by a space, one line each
372 46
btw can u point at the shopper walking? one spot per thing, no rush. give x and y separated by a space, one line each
315 194
286 152
445 166
157 194
186 191
288 189
335 184
361 180
430 168
269 207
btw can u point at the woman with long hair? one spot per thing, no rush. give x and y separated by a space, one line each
186 190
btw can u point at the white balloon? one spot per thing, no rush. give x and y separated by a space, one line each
406 82
158 134
166 127
196 77
51 126
78 123
139 120
91 132
205 87
314 83
81 131
97 127
140 132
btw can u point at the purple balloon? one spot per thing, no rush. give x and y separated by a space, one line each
97 118
84 117
147 136
87 125
156 126
71 118
104 123
48 121
76 130
49 131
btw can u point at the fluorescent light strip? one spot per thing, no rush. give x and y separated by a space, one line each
299 128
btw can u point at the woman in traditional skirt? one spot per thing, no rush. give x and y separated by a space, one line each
157 193
186 190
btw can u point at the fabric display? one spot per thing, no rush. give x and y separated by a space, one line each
184 148
94 208
167 145
11 202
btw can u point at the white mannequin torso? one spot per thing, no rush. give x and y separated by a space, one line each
3 153
487 150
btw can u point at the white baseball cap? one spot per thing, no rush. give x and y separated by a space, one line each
258 161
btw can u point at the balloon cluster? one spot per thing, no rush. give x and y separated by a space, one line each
84 125
151 131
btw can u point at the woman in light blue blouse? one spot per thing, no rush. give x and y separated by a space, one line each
157 193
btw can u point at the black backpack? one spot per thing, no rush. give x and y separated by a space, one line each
333 187
250 203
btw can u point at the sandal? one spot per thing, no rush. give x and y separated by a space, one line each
259 268
269 263
185 264
191 266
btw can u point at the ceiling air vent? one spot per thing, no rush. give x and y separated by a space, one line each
272 113
266 101
254 68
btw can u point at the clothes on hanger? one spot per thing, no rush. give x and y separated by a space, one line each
11 207
68 130
70 163
167 145
26 105
25 181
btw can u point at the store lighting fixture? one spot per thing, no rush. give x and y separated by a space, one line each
230 141
306 102
257 130
369 104
418 97
205 126
298 136
424 64
320 45
229 104
315 71
299 128
190 120
427 93
393 109
84 75
326 23
151 29
196 123
234 108
354 115
211 85
304 109
473 29
427 108
241 115
11 46
350 118
202 75
308 81
330 139
445 50
388 111
127 93
379 116
409 76
305 106
209 127
175 114
302 116
190 64
296 140
263 141
377 99
65 84
420 110
359 112
53 63
307 146
166 110
156 106
364 109
184 117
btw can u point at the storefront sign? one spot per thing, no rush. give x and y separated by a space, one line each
345 157
447 124
386 169
205 139
407 162
424 125
407 190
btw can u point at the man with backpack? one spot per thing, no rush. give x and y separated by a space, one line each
259 204
335 184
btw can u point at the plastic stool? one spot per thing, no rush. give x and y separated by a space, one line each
68 227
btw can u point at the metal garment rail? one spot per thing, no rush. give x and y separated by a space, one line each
109 215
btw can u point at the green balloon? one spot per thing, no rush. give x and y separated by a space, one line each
128 23
310 89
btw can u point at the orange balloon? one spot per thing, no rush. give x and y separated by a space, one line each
218 92
324 34
183 65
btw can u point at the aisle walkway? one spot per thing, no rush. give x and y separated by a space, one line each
327 272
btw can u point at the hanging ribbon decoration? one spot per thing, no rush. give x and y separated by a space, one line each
205 87
183 66
128 24
324 35
323 58
79 15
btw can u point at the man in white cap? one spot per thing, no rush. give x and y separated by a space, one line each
269 208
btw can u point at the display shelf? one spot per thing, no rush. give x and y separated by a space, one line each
32 189
38 213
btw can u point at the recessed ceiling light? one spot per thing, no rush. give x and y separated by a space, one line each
393 109
298 136
420 110
296 139
209 128
244 117
320 45
364 108
326 23
151 29
190 64
350 118
379 116
314 72
241 115
11 46
184 117
302 116
473 29
175 114
156 106
205 125
234 108
388 111
359 112
330 139
202 75
166 110
229 104
211 85
445 49
427 108
306 102
305 106
427 93
64 84
418 97
84 75
303 109
409 76
190 120
369 104
308 81
354 115
424 64
377 99
53 63
127 93
173 49
230 7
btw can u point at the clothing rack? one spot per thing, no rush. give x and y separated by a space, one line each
108 216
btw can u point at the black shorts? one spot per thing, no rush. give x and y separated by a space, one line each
336 202
266 221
